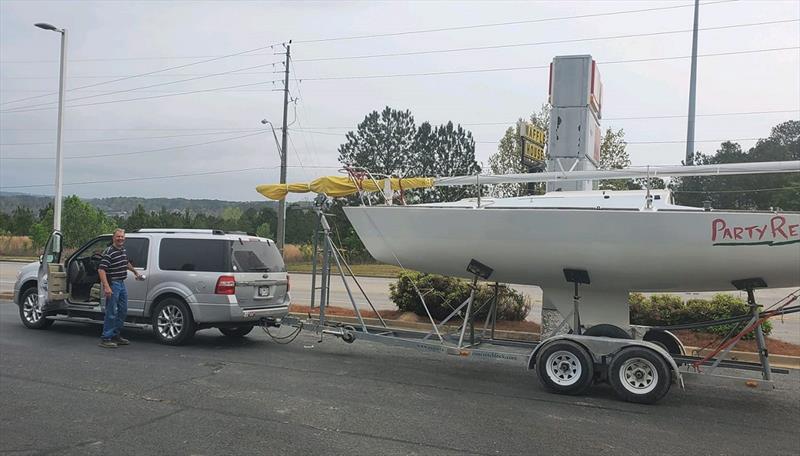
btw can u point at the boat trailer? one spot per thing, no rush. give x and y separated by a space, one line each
638 370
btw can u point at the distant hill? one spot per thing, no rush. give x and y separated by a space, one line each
124 205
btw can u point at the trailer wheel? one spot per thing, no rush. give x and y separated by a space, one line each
347 334
639 375
564 367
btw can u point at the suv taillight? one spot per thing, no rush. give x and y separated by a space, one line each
288 283
226 285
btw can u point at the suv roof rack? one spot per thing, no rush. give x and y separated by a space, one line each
178 230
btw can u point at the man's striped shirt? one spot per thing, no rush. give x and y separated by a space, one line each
115 263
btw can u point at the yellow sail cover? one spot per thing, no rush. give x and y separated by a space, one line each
338 186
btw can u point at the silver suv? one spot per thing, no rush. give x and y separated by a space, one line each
193 279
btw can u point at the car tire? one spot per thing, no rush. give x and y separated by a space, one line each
30 311
172 322
237 331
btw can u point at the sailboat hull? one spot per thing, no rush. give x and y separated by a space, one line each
622 249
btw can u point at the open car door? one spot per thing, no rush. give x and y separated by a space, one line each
52 279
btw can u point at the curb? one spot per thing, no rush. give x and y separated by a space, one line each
789 362
18 260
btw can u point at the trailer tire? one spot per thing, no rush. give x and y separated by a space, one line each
565 367
639 375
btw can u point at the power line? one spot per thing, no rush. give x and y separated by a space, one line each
216 89
139 152
438 73
169 176
146 74
312 129
122 139
168 75
152 85
109 59
501 24
539 67
540 43
479 48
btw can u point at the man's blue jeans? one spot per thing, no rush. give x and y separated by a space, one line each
116 310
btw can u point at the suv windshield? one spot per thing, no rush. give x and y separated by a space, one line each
255 256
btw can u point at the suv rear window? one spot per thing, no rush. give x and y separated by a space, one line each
219 255
256 256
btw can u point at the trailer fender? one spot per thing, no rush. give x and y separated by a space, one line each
604 348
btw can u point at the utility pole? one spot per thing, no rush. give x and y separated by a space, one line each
282 203
692 90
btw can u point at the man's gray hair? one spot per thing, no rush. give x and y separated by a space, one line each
119 230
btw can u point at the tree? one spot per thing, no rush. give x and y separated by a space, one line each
80 221
613 155
21 221
382 143
264 230
746 192
446 151
508 159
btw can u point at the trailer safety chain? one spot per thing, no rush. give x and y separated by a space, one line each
288 338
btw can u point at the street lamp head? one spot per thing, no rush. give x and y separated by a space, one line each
46 26
264 121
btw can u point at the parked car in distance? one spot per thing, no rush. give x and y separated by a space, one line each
193 280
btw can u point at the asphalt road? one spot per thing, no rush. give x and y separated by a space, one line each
61 394
787 329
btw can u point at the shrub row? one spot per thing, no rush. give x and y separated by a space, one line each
667 310
444 294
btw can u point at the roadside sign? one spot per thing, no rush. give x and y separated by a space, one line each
532 140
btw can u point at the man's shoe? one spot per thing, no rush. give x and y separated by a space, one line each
119 340
108 343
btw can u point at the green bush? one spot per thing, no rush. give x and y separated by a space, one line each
444 294
667 310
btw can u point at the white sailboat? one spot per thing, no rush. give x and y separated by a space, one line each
626 241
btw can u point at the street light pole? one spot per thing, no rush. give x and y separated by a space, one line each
692 90
59 159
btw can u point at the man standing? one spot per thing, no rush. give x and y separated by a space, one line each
113 271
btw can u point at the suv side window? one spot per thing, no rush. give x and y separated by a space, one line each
210 255
137 249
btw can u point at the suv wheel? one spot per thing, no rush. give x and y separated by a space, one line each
172 322
30 311
238 331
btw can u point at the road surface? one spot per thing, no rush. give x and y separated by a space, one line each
61 394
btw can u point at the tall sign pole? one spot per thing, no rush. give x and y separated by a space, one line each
282 203
692 90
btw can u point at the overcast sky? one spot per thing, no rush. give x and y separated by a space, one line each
160 135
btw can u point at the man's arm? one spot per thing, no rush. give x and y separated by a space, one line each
133 269
104 281
101 271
